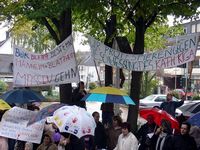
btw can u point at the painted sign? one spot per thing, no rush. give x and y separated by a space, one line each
14 125
55 67
183 51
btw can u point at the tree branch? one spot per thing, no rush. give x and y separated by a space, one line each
55 22
152 77
151 20
50 29
130 18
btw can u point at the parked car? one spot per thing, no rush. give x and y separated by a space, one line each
154 100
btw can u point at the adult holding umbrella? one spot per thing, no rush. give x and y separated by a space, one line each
108 95
158 115
76 121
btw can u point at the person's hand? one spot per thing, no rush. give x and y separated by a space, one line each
65 142
106 126
158 131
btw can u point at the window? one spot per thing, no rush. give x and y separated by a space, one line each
185 30
198 27
82 77
193 30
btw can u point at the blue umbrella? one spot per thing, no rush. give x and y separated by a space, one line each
45 112
195 119
21 96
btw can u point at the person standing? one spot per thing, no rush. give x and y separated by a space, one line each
99 133
47 143
126 140
162 138
170 106
195 133
143 132
107 113
113 132
78 94
184 141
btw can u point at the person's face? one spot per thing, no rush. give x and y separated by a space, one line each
114 123
96 117
184 129
169 97
47 140
150 119
125 131
82 86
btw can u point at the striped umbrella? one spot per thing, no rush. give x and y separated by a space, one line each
108 95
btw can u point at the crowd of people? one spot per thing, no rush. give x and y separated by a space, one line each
114 134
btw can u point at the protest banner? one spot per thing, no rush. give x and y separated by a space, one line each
14 125
55 67
183 51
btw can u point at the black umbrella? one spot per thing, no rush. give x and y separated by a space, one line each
22 96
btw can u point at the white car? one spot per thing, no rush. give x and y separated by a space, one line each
154 100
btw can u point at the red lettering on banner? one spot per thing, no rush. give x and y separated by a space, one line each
180 58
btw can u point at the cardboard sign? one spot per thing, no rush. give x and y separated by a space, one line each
14 125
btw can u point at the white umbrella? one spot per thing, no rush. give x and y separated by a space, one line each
74 120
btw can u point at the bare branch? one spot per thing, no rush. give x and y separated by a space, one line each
151 20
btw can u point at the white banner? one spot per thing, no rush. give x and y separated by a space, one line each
53 68
14 125
183 51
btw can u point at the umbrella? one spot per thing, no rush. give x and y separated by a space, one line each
45 112
158 115
4 105
195 119
21 96
74 120
108 95
190 108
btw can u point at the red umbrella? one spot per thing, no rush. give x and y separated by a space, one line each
158 116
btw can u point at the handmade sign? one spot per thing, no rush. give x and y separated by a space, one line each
14 125
53 68
183 51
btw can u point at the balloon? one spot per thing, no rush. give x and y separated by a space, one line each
56 137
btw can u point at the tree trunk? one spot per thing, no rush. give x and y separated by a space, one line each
64 32
110 30
136 76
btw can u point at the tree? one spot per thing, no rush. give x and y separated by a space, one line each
55 15
32 36
3 86
142 15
